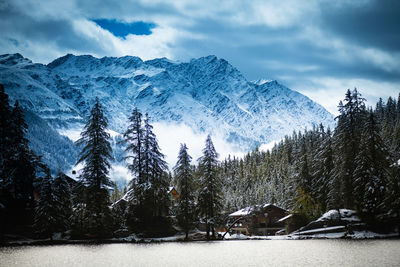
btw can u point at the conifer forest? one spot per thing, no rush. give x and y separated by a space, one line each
355 165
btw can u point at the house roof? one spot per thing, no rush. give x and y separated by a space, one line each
246 211
125 197
285 218
171 188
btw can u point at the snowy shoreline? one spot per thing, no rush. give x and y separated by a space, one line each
366 235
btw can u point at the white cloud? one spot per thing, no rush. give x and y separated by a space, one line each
170 136
269 146
182 31
329 91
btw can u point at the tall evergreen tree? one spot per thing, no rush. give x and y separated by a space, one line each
5 135
186 189
45 212
210 195
155 168
346 142
21 170
96 154
303 175
79 220
372 170
5 147
63 205
323 169
149 201
133 139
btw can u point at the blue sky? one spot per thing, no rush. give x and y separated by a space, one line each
123 29
318 47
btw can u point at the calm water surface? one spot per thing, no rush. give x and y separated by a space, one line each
227 253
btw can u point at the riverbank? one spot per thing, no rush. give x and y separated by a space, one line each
195 237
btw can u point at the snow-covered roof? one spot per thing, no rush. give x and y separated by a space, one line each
345 215
125 197
246 211
285 218
128 195
170 189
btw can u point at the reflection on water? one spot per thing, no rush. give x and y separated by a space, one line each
225 253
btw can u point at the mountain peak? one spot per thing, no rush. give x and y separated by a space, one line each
207 95
60 60
13 59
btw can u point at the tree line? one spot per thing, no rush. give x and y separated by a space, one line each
354 166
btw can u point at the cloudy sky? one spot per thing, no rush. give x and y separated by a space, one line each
319 48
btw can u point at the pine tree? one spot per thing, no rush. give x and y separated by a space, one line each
372 169
303 176
392 200
45 212
133 139
96 154
5 155
156 200
63 205
323 169
5 136
21 170
79 220
155 168
186 189
210 196
149 201
346 143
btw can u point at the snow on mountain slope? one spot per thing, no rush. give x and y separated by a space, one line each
34 86
206 94
186 101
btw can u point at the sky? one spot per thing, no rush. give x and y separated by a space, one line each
318 47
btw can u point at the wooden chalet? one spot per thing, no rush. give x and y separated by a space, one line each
173 197
173 194
257 220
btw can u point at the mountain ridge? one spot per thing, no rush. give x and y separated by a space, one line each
207 94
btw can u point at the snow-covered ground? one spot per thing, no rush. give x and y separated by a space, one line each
345 215
336 235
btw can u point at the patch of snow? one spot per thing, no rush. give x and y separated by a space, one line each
73 132
330 235
285 218
236 236
261 81
242 108
148 72
112 133
324 229
345 215
369 234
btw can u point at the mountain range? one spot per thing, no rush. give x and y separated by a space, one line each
185 101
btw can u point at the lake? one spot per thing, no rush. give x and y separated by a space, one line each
219 253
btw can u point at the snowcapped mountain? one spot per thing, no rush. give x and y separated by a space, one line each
185 100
